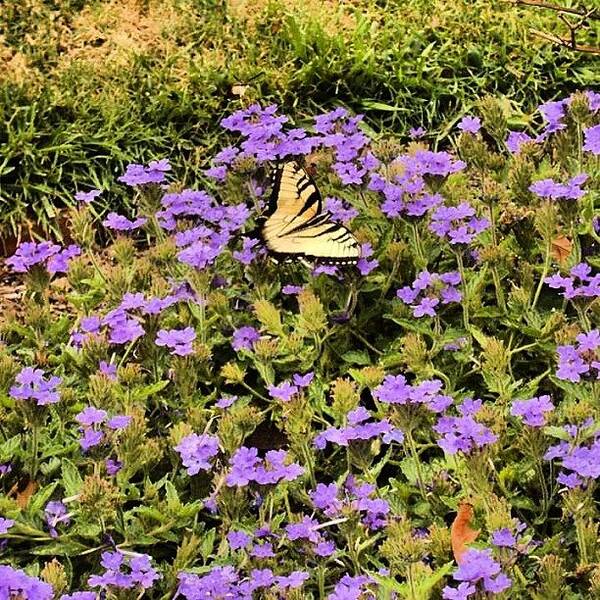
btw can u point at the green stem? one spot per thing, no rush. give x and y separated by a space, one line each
412 449
495 276
421 259
34 449
547 259
465 300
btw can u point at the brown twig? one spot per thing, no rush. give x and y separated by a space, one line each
565 42
589 14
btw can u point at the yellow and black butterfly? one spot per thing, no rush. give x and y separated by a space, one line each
296 224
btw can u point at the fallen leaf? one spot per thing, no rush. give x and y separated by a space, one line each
461 533
22 497
561 248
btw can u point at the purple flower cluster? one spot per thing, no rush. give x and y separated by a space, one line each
533 411
396 390
125 572
470 125
179 341
548 188
334 501
244 338
52 256
580 462
364 265
31 385
5 525
286 390
591 141
516 139
124 327
246 467
308 529
225 583
121 223
463 433
197 450
340 211
87 197
95 424
154 172
359 428
457 224
264 138
429 290
406 193
581 283
250 251
55 513
17 584
353 588
340 132
580 359
477 571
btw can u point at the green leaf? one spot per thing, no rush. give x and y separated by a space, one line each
72 481
357 357
142 393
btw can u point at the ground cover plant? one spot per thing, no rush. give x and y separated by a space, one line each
86 87
180 417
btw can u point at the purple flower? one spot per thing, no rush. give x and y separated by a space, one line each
5 525
351 588
121 223
17 584
226 401
591 142
125 571
462 592
581 282
533 411
416 133
238 539
340 212
80 596
113 466
292 581
33 386
55 513
55 259
247 467
470 124
396 390
249 251
553 113
516 139
90 416
463 433
478 567
179 341
575 361
548 188
87 197
136 174
108 369
119 422
364 265
197 450
244 338
291 290
457 224
303 381
284 391
430 289
503 538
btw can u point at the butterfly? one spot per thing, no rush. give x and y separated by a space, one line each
296 224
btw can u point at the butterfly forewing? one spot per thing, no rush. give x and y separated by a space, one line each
296 224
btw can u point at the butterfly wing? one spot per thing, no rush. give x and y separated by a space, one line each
296 224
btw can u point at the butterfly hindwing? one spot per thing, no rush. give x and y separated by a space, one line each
296 224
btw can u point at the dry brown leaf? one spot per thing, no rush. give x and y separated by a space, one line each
22 498
561 248
461 533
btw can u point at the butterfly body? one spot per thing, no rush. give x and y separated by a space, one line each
296 226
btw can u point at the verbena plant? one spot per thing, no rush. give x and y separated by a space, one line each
180 417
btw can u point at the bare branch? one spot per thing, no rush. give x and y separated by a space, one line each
587 14
565 42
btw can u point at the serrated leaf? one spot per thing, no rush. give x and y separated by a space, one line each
142 393
357 357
